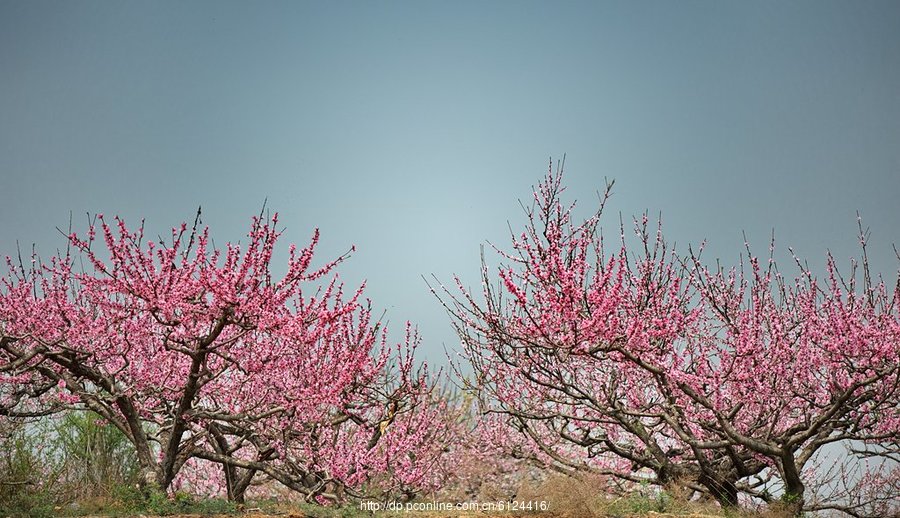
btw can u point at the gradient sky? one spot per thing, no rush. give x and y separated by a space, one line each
412 129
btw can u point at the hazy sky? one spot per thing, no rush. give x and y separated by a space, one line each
411 129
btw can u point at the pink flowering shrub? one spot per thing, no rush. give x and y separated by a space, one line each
204 358
640 364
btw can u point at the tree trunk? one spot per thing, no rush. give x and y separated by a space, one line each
794 489
242 483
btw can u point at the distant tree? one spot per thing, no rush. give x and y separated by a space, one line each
650 367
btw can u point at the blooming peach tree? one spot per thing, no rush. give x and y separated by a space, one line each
650 367
198 352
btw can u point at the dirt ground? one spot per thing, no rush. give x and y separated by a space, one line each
650 514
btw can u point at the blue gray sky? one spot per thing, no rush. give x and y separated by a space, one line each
411 129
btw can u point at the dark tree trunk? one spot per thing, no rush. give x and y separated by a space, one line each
793 485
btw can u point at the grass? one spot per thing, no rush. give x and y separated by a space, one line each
573 502
564 498
594 498
79 466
